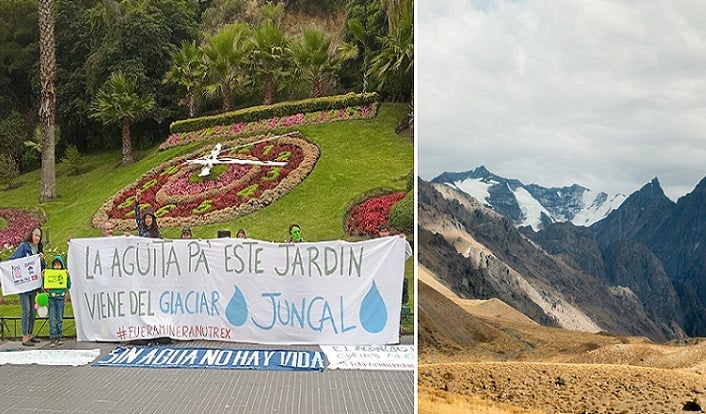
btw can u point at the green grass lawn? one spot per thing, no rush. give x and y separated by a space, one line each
356 157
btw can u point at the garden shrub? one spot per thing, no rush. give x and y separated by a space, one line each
410 181
402 214
73 160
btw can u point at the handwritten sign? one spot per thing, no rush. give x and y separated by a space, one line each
244 290
55 279
371 357
21 275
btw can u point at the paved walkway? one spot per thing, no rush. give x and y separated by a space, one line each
88 389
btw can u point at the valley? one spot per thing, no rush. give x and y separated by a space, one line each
483 356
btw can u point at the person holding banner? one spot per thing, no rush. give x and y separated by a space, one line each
32 245
107 228
384 230
56 283
146 221
147 227
295 234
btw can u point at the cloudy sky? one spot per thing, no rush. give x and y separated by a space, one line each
605 94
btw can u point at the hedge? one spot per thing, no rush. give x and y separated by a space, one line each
256 113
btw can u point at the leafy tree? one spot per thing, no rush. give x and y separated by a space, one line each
221 13
73 46
119 103
8 171
19 53
136 37
225 54
270 58
315 60
47 106
315 7
13 132
188 71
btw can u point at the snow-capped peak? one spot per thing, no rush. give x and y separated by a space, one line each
533 205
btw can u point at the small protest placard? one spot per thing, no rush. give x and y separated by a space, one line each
55 279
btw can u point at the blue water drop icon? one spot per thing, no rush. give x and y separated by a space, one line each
237 309
373 311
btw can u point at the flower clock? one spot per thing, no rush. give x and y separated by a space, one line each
215 184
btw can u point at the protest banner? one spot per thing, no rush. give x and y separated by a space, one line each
21 275
182 357
244 290
371 357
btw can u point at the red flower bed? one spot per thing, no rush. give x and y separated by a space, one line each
19 224
366 217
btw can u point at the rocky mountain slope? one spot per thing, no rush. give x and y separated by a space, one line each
558 277
676 234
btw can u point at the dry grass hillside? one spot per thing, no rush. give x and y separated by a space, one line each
480 356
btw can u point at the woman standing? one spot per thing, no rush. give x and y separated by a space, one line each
146 222
31 246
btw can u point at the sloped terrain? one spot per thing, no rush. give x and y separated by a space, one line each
487 357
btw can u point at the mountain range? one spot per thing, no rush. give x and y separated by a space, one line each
638 270
531 204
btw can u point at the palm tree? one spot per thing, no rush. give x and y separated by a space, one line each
314 58
47 106
188 70
396 57
119 103
350 51
271 57
225 54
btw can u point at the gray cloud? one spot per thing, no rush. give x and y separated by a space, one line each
605 94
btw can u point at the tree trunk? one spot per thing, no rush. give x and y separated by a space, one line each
411 114
269 89
127 144
226 101
47 106
192 104
316 87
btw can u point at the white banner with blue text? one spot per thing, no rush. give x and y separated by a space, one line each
178 357
21 275
242 290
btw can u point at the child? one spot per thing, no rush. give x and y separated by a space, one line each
56 304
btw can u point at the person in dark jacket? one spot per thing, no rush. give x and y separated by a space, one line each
146 221
29 247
